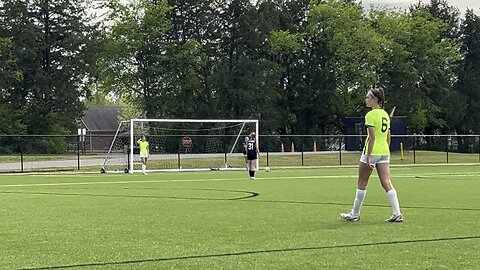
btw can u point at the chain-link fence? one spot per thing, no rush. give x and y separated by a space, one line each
88 153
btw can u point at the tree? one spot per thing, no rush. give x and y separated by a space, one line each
133 51
245 79
443 11
9 76
469 77
420 69
195 40
342 56
54 45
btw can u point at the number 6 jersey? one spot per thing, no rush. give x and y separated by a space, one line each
380 120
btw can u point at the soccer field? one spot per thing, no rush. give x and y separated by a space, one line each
286 219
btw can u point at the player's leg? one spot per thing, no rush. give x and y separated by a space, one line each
251 168
383 170
144 164
364 172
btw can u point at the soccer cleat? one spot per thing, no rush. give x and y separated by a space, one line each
349 217
253 178
395 218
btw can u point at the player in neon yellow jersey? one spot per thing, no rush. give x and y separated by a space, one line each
144 151
375 154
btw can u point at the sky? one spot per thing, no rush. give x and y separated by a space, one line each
462 5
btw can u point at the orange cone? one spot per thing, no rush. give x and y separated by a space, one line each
282 149
293 148
314 146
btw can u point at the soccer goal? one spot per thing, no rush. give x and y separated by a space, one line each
180 145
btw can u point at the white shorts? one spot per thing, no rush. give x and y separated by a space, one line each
375 159
144 155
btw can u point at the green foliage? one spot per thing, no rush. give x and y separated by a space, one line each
10 75
420 68
9 72
9 117
282 42
133 52
469 76
355 48
45 145
298 66
54 50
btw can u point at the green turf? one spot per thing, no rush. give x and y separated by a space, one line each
286 219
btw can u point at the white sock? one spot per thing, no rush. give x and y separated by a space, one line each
357 204
392 196
144 167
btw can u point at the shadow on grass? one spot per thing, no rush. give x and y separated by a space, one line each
245 198
253 252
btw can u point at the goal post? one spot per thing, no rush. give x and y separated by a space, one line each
180 144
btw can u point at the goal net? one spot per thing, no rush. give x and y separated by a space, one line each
180 144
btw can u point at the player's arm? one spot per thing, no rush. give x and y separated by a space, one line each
388 137
371 140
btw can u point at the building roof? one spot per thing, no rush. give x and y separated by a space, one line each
101 118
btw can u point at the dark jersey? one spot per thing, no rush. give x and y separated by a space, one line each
252 149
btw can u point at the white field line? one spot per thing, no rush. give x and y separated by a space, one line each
226 179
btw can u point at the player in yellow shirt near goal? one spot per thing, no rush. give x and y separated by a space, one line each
144 151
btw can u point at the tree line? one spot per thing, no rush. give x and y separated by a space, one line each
299 66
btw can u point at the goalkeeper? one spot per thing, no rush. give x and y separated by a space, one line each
144 150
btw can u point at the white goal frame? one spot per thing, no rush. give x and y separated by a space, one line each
132 122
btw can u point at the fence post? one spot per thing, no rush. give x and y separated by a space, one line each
340 138
78 151
448 140
21 158
414 148
303 163
225 150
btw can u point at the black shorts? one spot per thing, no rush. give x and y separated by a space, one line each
251 156
244 151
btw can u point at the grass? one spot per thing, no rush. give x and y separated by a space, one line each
287 219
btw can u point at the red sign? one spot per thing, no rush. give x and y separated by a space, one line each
187 142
